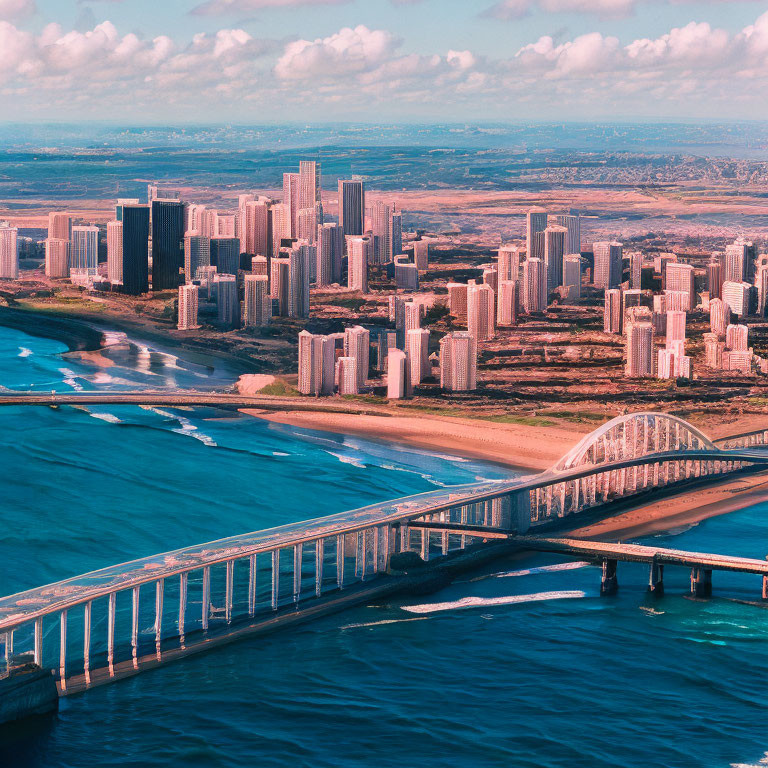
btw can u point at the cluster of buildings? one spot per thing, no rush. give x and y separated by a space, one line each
733 286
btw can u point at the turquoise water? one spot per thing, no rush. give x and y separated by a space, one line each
569 680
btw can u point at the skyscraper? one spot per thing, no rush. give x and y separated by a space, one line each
572 224
56 257
639 350
715 279
281 226
260 266
675 326
227 301
536 223
357 345
60 226
554 252
736 296
352 206
508 262
358 249
310 191
330 251
115 252
225 254
613 314
572 276
719 317
406 274
398 375
381 215
317 360
457 301
300 258
636 270
197 253
506 310
761 283
396 233
9 252
417 348
481 312
188 306
534 286
258 229
737 261
458 362
346 376
167 243
608 264
135 249
421 254
84 250
291 200
258 304
680 277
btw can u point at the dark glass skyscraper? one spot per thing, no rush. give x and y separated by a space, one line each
135 249
225 254
167 243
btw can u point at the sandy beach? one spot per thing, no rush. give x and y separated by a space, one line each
533 449
519 446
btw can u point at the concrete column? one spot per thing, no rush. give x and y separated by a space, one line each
701 582
563 489
656 580
609 583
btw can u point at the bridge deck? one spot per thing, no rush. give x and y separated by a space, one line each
637 553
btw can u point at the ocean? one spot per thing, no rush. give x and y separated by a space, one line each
521 663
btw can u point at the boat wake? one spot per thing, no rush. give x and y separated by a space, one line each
484 602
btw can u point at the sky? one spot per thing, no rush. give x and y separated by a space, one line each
267 61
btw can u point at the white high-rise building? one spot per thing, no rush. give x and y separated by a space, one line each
256 227
60 226
613 312
719 317
508 263
84 248
639 350
381 215
258 304
608 264
398 375
310 192
357 345
412 315
572 276
736 262
417 348
534 286
115 252
307 225
481 311
457 301
188 306
536 222
737 338
357 263
281 226
317 362
675 326
506 306
458 362
680 277
736 296
291 200
346 376
56 257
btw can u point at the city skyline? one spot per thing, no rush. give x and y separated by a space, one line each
330 60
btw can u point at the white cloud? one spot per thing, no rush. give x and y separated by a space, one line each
220 7
16 9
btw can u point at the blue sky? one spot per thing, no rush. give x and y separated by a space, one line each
218 60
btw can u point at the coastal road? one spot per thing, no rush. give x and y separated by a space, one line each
192 399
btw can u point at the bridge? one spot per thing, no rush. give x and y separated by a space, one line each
91 629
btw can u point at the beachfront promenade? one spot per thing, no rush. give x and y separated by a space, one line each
127 618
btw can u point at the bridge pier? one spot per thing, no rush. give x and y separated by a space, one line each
701 582
609 583
656 579
765 587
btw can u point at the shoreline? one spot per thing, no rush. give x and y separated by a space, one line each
86 334
662 513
